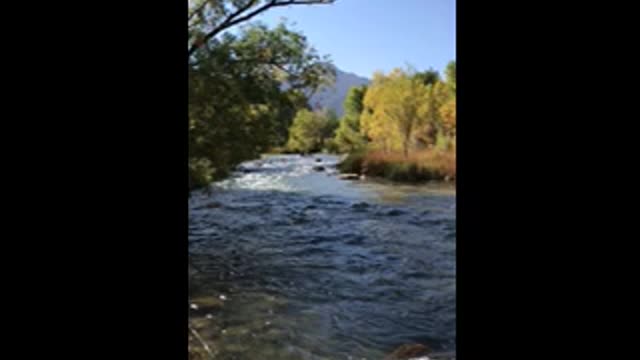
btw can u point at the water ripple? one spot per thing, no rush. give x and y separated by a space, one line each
335 268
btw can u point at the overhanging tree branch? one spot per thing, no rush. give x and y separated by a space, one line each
198 9
236 18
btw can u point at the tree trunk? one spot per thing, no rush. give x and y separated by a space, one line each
405 147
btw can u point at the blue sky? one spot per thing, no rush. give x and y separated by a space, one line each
363 36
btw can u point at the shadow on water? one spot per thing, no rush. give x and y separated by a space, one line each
292 263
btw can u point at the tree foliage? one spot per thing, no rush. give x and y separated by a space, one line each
448 114
428 77
396 107
432 128
244 89
448 109
450 76
311 131
405 110
348 136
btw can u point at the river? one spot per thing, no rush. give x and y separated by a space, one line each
293 263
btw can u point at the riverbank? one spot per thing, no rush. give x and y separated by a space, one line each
417 167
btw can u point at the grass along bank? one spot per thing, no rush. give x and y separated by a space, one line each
419 166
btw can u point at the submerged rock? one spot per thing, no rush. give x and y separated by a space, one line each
349 176
318 168
395 212
360 206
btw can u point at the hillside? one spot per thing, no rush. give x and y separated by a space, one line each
333 97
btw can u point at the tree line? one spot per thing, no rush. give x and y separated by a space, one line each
401 126
403 111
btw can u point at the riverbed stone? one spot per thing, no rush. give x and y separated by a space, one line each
206 304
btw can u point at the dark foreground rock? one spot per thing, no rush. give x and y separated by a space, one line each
409 351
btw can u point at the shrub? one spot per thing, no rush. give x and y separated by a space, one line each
419 166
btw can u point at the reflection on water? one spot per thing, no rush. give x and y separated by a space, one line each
294 263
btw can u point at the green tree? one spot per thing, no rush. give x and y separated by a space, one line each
332 123
244 89
428 77
311 131
348 137
238 106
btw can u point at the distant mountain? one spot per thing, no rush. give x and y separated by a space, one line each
333 97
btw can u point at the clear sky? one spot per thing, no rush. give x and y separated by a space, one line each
362 36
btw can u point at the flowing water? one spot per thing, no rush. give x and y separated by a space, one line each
293 263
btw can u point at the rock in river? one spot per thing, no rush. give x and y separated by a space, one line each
349 176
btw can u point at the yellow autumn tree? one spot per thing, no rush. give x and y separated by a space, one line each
448 114
396 107
372 122
433 127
